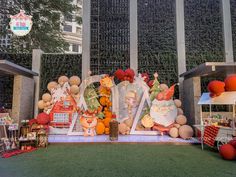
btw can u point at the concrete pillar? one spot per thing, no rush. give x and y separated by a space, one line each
36 65
86 38
227 28
23 98
191 96
134 35
180 32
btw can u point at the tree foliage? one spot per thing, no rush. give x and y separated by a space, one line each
46 32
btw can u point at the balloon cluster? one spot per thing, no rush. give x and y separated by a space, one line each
127 75
47 101
217 87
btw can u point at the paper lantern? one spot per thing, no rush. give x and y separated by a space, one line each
74 80
227 151
185 132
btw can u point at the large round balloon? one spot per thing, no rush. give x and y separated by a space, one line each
227 151
43 118
163 112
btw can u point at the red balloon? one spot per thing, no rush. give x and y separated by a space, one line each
233 143
230 83
146 76
120 74
216 88
150 83
43 118
227 151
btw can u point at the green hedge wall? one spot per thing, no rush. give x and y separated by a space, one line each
203 33
6 82
109 36
233 22
157 39
55 65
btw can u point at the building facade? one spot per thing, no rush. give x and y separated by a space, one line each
72 31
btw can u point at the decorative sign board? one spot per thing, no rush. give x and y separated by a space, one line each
21 24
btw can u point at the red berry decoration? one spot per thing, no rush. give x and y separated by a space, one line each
227 151
120 74
43 118
146 77
150 83
130 72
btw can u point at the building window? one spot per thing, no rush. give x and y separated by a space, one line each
75 47
68 28
78 30
68 18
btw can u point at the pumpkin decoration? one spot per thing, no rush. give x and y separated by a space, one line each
108 114
102 101
107 131
147 121
100 128
106 122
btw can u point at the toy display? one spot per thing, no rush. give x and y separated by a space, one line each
42 140
88 121
89 107
219 128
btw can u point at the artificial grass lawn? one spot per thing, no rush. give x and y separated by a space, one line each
112 160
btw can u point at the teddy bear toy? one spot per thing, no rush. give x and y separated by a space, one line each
217 87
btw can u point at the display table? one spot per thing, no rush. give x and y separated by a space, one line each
192 86
23 89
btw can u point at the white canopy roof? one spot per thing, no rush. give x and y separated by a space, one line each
226 98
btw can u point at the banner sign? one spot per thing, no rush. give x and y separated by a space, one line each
21 24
